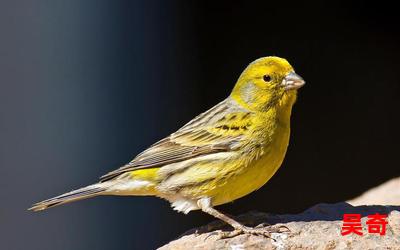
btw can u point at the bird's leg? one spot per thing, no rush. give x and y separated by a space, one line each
205 206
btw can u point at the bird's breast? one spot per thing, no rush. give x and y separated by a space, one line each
253 175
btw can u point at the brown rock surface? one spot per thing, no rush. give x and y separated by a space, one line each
319 227
386 194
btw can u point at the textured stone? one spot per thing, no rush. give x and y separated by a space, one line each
319 227
316 228
386 194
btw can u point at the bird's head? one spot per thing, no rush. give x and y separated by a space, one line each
267 82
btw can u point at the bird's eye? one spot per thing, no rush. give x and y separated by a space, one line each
267 78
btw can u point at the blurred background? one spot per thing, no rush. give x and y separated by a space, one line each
87 85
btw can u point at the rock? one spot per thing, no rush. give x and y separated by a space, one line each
386 194
316 228
319 227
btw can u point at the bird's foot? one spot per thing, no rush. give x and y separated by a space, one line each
260 230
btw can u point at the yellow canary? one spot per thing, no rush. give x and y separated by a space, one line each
223 154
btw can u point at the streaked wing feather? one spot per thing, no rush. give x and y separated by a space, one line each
194 139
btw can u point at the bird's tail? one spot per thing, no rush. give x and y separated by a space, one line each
75 195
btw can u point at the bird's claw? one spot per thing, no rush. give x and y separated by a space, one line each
285 229
262 225
260 230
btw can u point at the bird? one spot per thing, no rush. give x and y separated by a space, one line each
221 155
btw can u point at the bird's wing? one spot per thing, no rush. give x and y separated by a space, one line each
205 134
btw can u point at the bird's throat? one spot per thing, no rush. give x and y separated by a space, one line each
284 107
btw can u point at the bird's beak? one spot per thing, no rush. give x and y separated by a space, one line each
292 81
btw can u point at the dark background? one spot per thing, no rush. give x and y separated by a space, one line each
87 85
